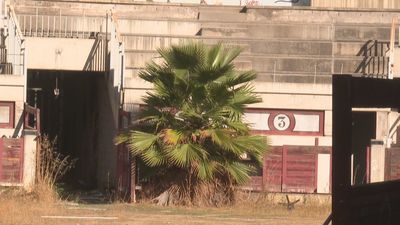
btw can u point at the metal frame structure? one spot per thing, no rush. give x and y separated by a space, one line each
376 203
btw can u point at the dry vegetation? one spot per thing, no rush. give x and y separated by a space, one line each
18 207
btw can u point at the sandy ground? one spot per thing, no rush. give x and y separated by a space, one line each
23 211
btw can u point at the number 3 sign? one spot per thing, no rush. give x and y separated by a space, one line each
281 121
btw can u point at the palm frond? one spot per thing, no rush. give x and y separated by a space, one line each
182 155
154 156
206 169
238 171
194 116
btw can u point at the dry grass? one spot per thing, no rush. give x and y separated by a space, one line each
19 208
51 167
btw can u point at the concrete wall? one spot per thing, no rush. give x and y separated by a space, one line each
59 53
12 90
376 4
294 50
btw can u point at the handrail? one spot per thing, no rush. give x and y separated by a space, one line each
15 43
31 111
328 220
13 17
114 21
61 26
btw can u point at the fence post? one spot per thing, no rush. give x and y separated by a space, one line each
1 157
284 168
316 170
29 160
368 165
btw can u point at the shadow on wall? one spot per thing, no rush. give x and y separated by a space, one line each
375 62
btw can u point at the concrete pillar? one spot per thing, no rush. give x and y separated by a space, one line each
377 163
29 169
324 173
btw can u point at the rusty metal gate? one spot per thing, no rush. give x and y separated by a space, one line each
11 160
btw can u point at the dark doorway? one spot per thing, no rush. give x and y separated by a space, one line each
69 107
363 130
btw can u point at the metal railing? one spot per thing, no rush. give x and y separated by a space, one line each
60 26
16 54
117 51
31 118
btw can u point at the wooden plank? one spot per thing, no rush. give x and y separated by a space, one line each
1 157
11 160
272 171
284 168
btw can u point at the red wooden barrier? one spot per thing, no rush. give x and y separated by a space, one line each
123 171
126 167
292 169
11 160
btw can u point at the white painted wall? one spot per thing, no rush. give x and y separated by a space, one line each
58 53
12 89
377 163
29 168
324 173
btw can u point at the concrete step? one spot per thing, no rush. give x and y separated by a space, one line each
259 62
285 78
295 65
223 32
360 48
133 82
362 33
160 27
310 15
51 23
361 65
318 67
222 15
133 10
133 70
283 31
273 47
152 42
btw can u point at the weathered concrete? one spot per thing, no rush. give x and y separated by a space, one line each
12 89
294 50
377 163
377 4
59 53
324 168
29 169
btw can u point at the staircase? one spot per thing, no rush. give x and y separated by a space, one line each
284 45
12 51
5 66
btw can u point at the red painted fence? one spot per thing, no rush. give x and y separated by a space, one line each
392 164
11 160
290 169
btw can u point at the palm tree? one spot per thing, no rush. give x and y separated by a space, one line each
192 124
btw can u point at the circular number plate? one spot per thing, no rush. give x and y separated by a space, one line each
281 122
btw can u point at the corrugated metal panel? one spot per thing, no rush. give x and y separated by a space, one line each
11 160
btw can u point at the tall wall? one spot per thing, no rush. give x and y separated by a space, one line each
294 50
